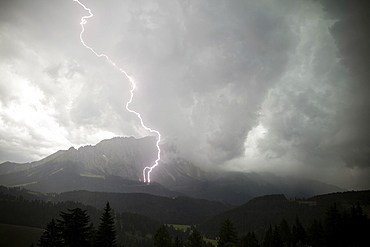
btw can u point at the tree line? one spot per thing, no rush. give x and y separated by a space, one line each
167 237
337 225
339 228
74 229
346 228
132 229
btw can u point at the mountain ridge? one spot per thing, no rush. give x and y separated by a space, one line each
175 210
115 165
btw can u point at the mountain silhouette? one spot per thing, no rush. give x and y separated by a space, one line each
116 165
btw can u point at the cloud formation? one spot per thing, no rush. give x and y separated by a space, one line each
245 85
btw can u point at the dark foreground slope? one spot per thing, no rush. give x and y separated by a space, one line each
21 236
20 216
258 214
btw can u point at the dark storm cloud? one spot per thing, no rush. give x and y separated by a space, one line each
219 60
352 37
243 85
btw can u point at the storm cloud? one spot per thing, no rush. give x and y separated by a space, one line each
278 86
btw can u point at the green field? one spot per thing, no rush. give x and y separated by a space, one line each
185 227
12 235
180 227
212 241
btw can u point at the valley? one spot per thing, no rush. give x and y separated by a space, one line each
183 197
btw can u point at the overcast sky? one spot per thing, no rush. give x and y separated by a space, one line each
271 85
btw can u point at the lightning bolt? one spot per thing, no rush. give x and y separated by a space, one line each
148 169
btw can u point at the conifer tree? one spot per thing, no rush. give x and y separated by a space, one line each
75 228
52 236
106 234
277 242
195 239
299 236
162 237
178 242
333 226
269 238
285 233
228 235
249 240
315 234
359 226
92 235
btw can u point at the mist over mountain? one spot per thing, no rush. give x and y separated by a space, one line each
115 165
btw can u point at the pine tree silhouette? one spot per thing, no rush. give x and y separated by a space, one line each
228 235
106 234
195 239
162 237
75 228
52 236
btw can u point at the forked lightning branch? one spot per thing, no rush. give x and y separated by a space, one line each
148 169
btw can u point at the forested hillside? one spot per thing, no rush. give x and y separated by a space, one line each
343 228
258 214
271 220
132 229
174 210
